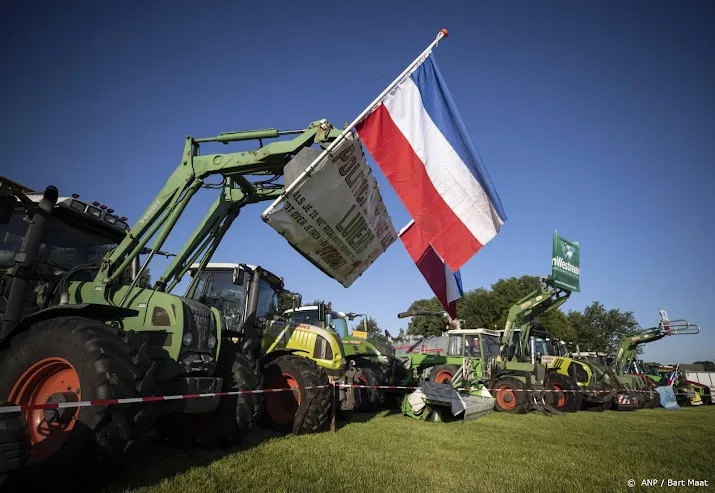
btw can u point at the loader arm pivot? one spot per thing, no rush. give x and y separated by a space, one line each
161 216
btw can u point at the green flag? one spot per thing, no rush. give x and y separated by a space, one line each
565 263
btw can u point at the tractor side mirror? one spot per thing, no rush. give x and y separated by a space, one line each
7 207
239 276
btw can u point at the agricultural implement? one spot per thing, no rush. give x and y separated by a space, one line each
437 374
73 313
630 376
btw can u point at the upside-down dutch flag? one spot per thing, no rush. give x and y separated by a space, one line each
421 144
445 284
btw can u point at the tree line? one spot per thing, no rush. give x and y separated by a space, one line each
593 329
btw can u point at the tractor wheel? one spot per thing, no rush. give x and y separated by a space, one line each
707 397
232 420
300 411
14 443
443 373
570 400
509 396
369 400
70 359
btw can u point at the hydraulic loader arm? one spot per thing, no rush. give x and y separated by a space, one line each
536 303
165 209
666 327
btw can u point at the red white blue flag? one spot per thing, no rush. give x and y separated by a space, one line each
419 141
445 284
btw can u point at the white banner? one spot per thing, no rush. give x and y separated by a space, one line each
336 218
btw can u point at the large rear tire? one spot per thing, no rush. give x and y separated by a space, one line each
569 398
300 411
370 399
231 422
510 396
70 359
443 373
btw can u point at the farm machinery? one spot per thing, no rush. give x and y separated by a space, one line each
229 287
595 387
375 358
437 374
629 374
503 366
77 325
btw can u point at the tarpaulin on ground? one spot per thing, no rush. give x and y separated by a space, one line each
336 218
667 397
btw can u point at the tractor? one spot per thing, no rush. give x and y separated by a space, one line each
77 325
630 376
374 357
228 288
595 387
450 375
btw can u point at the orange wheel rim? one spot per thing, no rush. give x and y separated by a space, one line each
283 406
503 393
562 401
51 380
443 376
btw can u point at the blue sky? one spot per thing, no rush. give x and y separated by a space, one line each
595 119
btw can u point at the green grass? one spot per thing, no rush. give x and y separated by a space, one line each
581 452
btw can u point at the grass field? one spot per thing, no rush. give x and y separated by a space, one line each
581 452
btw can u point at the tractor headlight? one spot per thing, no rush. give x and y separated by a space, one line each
187 339
212 342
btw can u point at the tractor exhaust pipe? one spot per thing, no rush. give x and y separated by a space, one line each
25 258
532 342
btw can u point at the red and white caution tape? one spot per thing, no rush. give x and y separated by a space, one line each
134 400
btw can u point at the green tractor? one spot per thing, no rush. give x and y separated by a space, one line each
595 386
630 376
510 369
374 358
461 360
228 287
77 325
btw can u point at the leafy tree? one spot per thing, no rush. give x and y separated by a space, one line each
708 365
425 325
598 329
285 301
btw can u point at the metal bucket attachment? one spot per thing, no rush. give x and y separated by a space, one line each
443 394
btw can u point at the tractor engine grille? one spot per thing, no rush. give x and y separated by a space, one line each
199 321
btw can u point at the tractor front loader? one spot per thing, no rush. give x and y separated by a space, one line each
296 353
78 326
520 382
633 380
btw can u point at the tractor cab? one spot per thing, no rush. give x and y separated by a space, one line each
226 287
76 237
473 343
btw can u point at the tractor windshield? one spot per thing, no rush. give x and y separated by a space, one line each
542 346
490 345
339 325
267 300
67 243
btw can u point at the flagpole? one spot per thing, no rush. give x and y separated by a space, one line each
443 33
